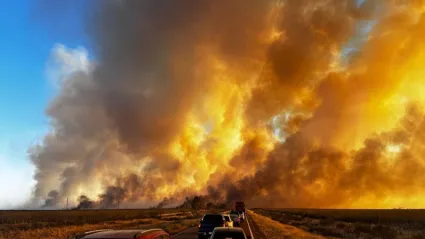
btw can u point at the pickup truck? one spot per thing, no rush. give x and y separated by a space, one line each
208 223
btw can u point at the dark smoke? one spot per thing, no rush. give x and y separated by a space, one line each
202 202
147 76
85 203
52 199
112 197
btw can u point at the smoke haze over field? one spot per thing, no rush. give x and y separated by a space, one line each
278 103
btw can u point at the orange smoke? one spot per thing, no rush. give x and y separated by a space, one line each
252 100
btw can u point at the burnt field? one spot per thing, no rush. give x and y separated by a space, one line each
353 223
62 223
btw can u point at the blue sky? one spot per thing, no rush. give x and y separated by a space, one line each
27 36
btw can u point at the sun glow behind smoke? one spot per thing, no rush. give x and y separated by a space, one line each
316 104
393 149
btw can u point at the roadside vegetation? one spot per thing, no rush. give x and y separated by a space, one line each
63 224
394 223
276 230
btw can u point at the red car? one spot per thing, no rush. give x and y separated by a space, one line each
124 234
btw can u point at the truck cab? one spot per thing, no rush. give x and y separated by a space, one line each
240 208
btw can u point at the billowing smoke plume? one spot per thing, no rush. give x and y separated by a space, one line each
278 103
52 199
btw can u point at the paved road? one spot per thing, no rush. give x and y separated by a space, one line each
192 233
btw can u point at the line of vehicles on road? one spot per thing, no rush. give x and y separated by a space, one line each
220 226
212 226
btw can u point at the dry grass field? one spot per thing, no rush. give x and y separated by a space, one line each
394 223
62 224
275 230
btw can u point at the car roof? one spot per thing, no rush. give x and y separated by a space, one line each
228 229
117 234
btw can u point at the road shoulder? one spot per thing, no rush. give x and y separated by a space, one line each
255 230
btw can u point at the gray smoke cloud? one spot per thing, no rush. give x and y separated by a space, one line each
135 99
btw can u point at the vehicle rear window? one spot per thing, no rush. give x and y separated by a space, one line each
213 218
228 235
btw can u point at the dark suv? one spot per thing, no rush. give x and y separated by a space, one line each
208 223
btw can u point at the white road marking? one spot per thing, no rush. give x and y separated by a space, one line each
249 227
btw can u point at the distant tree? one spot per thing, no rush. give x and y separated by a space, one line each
198 203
